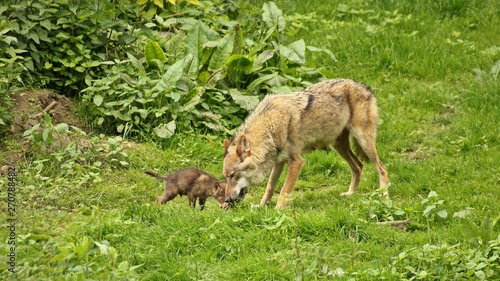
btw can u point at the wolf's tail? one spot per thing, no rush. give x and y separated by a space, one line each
158 176
359 151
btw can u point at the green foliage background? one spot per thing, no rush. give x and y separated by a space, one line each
180 78
141 69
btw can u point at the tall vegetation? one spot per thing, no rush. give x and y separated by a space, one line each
150 66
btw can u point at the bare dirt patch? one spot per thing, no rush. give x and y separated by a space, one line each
28 106
27 110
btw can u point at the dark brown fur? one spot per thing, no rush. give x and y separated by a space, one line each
194 183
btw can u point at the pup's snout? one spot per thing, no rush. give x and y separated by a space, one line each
228 199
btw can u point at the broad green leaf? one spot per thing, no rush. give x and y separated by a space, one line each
328 52
194 46
103 247
273 16
143 112
98 100
126 39
152 51
61 128
214 78
429 209
262 58
159 3
432 194
222 52
34 37
150 13
295 52
137 65
239 62
248 102
176 96
487 229
195 100
173 74
46 133
257 82
194 41
165 131
495 69
191 66
443 214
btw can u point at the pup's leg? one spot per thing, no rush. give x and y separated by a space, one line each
343 148
202 203
295 164
271 184
192 200
365 136
167 195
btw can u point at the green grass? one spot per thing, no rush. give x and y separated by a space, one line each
439 132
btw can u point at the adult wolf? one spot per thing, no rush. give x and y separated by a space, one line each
284 126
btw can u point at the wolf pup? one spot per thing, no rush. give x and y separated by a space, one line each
284 126
194 183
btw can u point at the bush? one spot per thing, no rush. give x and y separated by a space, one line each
57 44
199 70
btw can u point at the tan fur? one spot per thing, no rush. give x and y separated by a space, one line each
194 183
283 127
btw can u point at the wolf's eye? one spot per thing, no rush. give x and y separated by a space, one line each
231 176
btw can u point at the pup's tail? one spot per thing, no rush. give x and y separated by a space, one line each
158 176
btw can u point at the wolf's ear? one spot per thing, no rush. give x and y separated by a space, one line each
243 148
226 146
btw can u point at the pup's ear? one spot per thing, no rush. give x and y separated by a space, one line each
226 146
243 148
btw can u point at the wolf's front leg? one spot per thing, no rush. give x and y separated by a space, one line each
294 167
271 184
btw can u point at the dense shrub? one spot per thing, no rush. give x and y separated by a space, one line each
199 69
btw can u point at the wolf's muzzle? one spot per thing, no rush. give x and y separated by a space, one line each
237 198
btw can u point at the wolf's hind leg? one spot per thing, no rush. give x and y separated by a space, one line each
366 141
343 148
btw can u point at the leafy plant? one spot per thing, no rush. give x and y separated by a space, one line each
381 208
211 75
73 161
82 259
450 262
433 207
480 235
493 74
58 44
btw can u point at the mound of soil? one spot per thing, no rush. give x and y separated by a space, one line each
27 111
28 107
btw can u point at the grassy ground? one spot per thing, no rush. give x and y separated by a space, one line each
429 63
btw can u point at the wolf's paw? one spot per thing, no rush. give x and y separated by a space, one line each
347 193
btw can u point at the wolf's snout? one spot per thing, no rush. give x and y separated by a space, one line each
228 199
